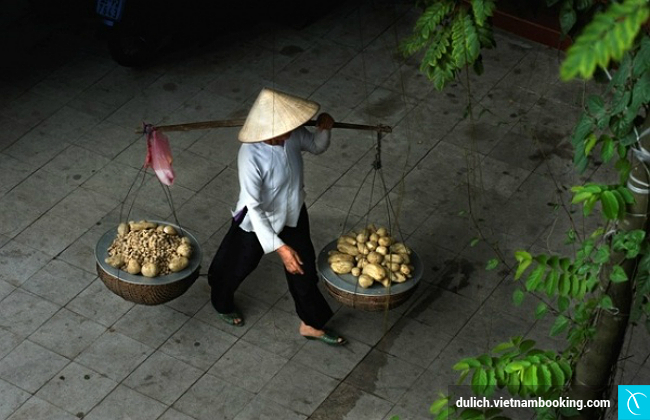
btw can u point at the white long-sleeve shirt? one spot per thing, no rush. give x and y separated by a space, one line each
271 184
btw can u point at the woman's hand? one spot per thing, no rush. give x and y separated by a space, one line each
290 259
324 121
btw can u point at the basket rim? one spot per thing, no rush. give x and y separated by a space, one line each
101 252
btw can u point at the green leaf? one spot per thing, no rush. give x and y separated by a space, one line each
526 345
472 414
589 205
438 405
541 310
566 368
557 374
545 377
610 205
514 384
563 303
503 346
479 381
518 297
530 378
552 283
606 302
616 28
618 274
535 278
607 148
465 45
492 264
621 204
590 143
568 16
474 242
627 195
517 366
602 255
596 106
561 323
581 196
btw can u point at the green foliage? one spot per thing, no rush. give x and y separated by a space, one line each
515 365
607 37
608 121
451 34
613 199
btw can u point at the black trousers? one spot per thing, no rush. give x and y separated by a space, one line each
239 254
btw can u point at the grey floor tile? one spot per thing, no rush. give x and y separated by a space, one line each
350 403
19 262
12 398
5 289
37 409
96 140
436 308
76 164
76 389
13 172
126 403
424 391
488 327
334 361
99 304
196 296
163 378
51 234
67 333
37 147
114 355
299 388
58 282
8 341
248 366
32 108
22 313
198 344
414 342
81 253
29 366
263 409
151 325
251 309
204 214
366 327
225 154
194 171
172 414
212 397
12 130
85 207
277 332
384 375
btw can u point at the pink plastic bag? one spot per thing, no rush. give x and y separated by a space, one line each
159 156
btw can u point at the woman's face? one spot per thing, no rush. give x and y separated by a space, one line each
279 140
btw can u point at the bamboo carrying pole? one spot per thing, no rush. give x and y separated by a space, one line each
203 125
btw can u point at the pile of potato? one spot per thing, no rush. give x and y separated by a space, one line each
149 249
371 255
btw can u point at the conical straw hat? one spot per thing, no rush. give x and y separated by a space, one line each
275 113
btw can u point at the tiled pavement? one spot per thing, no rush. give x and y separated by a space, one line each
69 348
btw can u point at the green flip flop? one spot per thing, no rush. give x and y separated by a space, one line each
328 338
231 317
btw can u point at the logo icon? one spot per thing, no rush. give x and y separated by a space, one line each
634 402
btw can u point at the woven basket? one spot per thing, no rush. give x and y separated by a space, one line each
344 288
147 294
370 303
144 290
